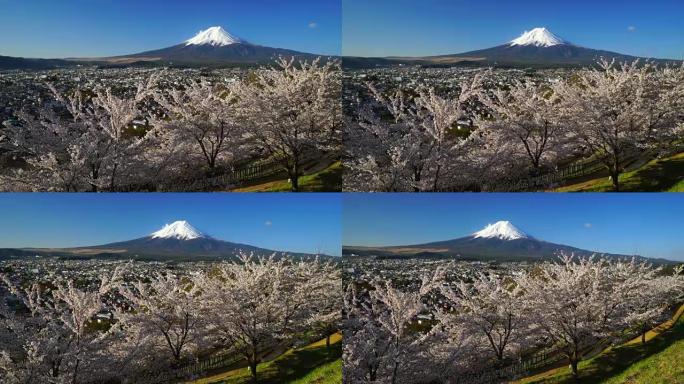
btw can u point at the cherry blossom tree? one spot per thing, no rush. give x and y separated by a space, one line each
575 302
618 108
58 345
169 308
380 343
326 303
490 307
80 139
650 294
202 119
294 111
259 303
527 114
398 142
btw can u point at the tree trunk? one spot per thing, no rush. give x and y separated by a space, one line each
295 183
371 374
75 375
573 365
112 181
293 172
327 341
574 358
644 329
394 372
253 367
615 174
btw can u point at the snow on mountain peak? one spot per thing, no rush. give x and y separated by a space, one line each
540 37
503 230
181 230
216 36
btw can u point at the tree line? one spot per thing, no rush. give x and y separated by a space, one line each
488 132
96 139
448 330
51 331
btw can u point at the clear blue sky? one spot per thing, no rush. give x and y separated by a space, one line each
652 28
278 221
90 28
632 223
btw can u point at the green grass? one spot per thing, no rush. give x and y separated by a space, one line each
655 176
679 187
304 365
327 180
329 373
659 361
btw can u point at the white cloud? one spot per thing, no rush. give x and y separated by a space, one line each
631 28
268 223
313 24
587 225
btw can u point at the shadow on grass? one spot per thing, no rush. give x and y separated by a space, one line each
300 362
654 176
331 179
658 175
615 361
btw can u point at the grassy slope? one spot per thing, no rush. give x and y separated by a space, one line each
657 361
329 373
657 175
679 187
293 366
327 180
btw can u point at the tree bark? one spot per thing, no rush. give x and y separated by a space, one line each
573 364
253 365
643 334
293 173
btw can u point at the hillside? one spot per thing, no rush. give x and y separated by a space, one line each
313 363
659 361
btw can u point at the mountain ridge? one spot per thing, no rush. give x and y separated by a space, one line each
538 47
210 47
177 241
500 241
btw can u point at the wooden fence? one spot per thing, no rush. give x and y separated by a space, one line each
546 358
534 183
229 179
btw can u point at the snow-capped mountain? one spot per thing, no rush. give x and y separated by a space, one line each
503 230
216 36
539 37
501 241
181 230
175 241
538 47
212 46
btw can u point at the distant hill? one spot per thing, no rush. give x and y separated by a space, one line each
213 47
501 241
8 63
176 241
536 48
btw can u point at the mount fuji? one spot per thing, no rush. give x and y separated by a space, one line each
175 241
500 241
538 47
214 45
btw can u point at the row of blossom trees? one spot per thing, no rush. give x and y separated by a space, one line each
404 142
564 307
93 140
50 333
